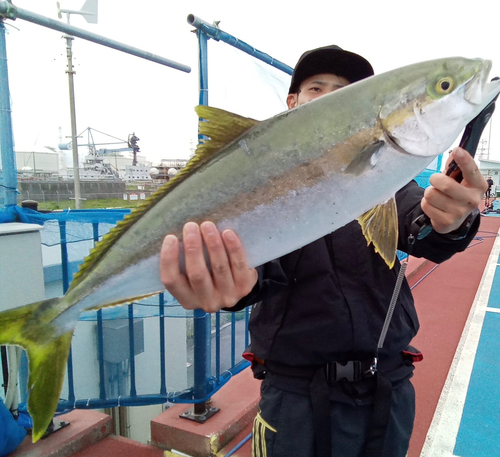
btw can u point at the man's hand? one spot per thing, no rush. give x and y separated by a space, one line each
447 202
230 280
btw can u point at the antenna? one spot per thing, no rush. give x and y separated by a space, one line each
88 11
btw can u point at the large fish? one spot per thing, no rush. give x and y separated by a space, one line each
280 184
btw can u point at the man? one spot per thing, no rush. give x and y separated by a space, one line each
327 390
490 183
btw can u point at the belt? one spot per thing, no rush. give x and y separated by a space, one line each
318 381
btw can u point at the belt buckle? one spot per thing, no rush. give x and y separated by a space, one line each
351 371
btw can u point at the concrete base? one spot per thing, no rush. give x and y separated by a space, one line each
237 401
416 267
86 428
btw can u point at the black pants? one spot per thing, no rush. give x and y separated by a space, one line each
284 425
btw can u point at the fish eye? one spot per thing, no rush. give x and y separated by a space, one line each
444 85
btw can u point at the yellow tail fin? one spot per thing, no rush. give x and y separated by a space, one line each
30 327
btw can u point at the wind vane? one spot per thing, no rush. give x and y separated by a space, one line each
88 11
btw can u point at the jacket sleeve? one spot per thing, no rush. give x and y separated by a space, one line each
434 247
272 279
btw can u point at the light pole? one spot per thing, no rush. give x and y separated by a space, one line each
89 12
74 145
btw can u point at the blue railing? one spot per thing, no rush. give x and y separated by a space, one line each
123 356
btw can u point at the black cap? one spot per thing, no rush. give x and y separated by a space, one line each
330 59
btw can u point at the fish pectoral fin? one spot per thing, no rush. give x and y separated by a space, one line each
365 159
29 327
380 227
222 127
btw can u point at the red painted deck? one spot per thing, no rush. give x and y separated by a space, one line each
443 300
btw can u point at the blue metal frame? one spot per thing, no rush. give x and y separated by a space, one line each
211 31
8 183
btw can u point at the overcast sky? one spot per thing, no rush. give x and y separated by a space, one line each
119 94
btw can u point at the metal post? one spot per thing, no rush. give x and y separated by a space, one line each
100 352
203 61
202 326
66 281
74 145
100 332
233 339
133 390
163 374
202 334
8 157
64 255
217 345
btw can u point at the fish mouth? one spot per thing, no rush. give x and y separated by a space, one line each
474 87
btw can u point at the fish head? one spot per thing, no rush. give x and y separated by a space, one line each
437 105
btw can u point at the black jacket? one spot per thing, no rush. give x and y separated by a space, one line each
328 300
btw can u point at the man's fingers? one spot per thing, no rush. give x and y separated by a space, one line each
219 262
170 272
448 202
196 266
244 277
230 278
169 259
471 174
445 193
442 221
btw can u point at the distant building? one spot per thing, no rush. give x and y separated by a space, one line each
167 169
36 164
138 173
491 168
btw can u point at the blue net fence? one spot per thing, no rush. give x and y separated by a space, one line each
138 354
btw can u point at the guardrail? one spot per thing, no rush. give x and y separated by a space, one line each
139 354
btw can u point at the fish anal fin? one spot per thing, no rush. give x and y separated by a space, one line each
380 227
123 302
222 127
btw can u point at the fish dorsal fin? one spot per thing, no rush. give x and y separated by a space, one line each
222 127
380 227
